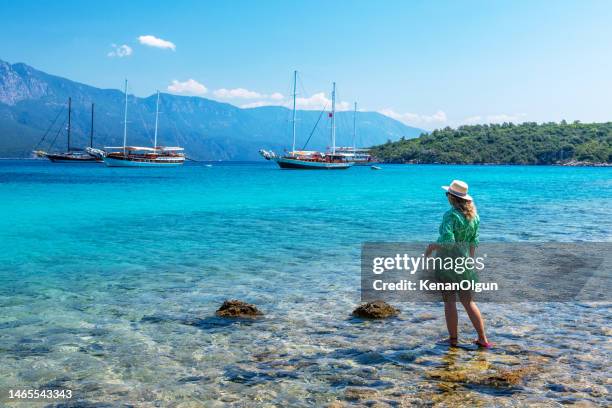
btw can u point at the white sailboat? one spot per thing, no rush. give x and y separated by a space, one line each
359 156
310 160
139 156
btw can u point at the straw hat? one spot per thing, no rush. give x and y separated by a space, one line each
459 189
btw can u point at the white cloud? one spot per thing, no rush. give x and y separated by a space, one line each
497 118
408 118
439 118
257 104
317 101
153 41
240 93
188 87
120 51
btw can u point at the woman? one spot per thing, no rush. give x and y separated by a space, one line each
459 238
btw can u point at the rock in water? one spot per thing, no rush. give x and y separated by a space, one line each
376 310
237 308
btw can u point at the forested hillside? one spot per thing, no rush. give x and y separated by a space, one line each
527 143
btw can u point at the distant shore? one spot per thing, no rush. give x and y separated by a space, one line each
573 163
567 164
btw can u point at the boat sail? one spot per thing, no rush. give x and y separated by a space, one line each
139 156
310 160
72 154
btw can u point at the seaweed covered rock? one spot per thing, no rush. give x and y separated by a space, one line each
492 377
376 310
238 308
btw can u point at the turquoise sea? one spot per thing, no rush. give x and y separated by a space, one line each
109 279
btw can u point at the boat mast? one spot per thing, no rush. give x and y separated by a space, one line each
125 121
294 95
91 130
156 120
354 127
333 119
69 124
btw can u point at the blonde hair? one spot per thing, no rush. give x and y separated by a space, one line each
467 208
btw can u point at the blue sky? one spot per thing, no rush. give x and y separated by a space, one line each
427 63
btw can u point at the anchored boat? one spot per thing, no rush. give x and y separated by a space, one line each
313 160
72 154
139 156
359 156
310 160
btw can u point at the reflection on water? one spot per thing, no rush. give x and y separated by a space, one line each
113 296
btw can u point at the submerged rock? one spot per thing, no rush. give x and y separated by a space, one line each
376 310
490 376
510 377
360 394
238 308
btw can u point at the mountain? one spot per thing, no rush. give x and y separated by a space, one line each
209 130
507 143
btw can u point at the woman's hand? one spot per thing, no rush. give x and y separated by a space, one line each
430 249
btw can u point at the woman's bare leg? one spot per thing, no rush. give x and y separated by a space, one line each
450 313
474 315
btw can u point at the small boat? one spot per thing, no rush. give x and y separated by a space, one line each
267 154
310 160
358 156
139 156
72 154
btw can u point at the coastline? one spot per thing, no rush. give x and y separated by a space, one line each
258 161
569 164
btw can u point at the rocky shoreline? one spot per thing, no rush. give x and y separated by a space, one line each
576 163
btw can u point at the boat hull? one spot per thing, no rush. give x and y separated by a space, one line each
120 162
295 164
59 158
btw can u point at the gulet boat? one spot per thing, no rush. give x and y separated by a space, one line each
310 160
139 156
359 156
72 154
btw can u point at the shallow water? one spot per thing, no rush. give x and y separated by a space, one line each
109 280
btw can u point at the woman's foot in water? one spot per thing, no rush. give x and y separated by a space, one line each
483 342
453 341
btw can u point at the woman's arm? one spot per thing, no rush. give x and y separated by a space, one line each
446 236
475 239
430 249
447 229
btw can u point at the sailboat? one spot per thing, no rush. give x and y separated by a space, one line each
139 156
359 156
72 155
310 160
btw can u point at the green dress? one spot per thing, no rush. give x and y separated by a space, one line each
457 234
